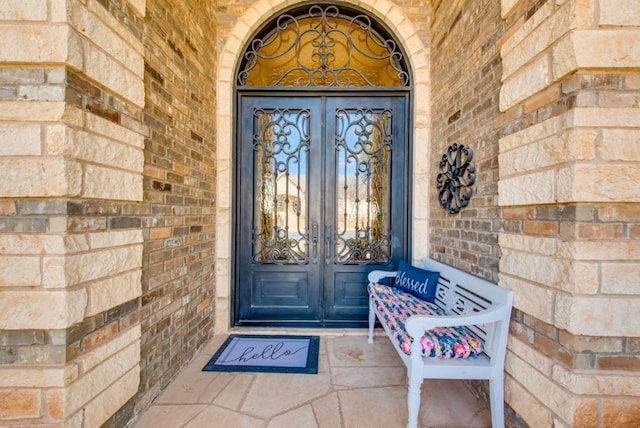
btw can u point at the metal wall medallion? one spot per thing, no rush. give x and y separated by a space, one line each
456 175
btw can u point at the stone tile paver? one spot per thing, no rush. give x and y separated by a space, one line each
358 385
272 394
194 388
217 417
300 418
353 351
161 415
374 407
364 377
236 391
327 411
450 403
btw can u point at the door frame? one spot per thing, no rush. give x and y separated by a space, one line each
302 92
404 30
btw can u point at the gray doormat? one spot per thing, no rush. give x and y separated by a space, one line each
266 353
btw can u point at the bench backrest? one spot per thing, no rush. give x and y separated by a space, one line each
460 293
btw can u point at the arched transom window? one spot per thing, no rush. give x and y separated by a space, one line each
323 46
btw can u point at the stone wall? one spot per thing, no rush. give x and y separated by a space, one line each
107 210
71 153
569 172
555 212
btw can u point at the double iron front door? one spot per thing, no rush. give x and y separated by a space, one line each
321 201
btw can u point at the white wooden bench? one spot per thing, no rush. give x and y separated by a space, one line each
467 300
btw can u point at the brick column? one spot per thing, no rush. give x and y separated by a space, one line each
71 143
569 174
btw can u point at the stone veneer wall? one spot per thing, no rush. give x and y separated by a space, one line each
555 212
107 215
570 196
71 155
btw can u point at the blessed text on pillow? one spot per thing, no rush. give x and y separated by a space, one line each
416 281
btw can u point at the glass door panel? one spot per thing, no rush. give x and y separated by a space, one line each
363 153
281 159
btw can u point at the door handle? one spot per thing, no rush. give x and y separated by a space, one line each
328 230
314 241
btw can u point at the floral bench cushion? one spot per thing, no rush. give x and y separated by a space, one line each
396 306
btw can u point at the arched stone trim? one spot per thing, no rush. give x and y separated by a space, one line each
249 22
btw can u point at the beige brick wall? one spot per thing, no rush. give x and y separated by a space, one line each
569 178
70 133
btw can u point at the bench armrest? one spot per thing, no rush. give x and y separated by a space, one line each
416 325
376 275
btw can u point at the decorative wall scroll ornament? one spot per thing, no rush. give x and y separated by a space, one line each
455 178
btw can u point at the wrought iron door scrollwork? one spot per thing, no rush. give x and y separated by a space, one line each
281 147
456 175
363 144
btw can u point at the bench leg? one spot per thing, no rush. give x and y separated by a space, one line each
372 320
496 395
413 401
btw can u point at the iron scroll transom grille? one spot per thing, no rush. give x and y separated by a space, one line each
322 47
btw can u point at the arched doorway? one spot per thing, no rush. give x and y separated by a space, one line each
321 167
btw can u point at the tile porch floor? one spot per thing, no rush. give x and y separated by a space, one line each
358 385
